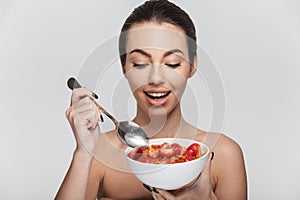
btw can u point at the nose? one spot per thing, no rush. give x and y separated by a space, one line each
156 75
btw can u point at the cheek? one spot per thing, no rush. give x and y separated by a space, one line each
177 79
137 78
179 87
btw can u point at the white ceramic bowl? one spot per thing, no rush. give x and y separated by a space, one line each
169 176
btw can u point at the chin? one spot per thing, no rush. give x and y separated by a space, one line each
157 111
164 110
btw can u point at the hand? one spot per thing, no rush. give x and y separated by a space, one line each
200 190
83 117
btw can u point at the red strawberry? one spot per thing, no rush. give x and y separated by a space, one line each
136 153
177 149
155 146
153 154
195 147
167 152
189 155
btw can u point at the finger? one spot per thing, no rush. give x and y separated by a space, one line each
85 104
86 119
147 187
157 196
79 93
207 166
164 194
155 192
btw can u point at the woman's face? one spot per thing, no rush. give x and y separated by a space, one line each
157 66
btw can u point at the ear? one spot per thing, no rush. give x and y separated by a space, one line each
124 71
194 67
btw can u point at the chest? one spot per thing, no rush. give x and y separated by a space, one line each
123 185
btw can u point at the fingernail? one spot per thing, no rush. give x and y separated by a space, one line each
101 117
212 155
95 95
147 187
155 190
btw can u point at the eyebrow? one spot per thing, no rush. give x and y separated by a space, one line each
141 52
172 51
149 56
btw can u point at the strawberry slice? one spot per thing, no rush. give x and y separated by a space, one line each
155 146
153 154
167 152
136 153
177 149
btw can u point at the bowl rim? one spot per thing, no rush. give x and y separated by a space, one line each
128 149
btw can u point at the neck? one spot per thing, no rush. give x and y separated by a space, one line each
158 126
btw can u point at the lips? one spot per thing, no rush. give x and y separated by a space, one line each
157 97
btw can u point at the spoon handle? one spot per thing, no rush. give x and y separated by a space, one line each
73 83
106 113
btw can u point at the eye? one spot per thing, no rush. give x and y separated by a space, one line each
139 65
173 65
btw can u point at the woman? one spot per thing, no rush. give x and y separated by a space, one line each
158 55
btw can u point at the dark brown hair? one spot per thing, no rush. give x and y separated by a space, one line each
160 11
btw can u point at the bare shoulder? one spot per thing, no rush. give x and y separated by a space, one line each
228 155
113 139
219 143
228 169
104 162
227 146
108 144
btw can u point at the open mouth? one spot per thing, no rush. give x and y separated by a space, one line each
157 95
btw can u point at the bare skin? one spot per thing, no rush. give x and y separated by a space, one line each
227 181
99 168
91 173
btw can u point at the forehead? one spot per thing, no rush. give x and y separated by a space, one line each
163 37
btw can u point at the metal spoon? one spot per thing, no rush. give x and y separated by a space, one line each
129 132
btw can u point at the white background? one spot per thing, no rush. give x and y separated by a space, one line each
254 44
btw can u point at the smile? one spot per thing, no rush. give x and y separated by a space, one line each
157 95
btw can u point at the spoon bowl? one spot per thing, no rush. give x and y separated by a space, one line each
128 132
131 134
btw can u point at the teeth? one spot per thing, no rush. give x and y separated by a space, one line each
156 94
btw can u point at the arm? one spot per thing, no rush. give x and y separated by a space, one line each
230 171
75 183
81 179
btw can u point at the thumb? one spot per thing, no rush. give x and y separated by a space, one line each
206 169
